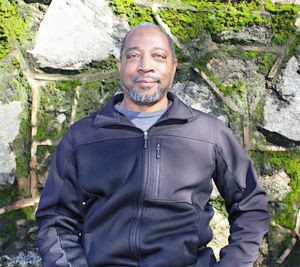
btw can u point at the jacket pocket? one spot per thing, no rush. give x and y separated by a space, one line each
178 166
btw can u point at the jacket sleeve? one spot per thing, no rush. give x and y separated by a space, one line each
245 201
59 215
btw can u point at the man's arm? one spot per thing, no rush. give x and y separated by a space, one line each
59 213
245 201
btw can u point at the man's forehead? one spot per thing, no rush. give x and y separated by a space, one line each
133 39
139 48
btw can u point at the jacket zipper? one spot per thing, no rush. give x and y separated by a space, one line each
157 180
135 237
146 137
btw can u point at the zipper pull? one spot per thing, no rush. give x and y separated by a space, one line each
157 151
146 137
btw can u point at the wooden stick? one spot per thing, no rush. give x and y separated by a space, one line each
20 204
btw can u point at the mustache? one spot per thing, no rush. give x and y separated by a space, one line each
147 77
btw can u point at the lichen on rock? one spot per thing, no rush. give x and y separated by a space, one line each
9 128
74 33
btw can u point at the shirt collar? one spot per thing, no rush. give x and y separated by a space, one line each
109 116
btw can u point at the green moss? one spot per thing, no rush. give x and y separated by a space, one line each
241 54
13 86
290 163
181 57
237 88
91 85
214 16
91 95
15 62
9 194
283 17
22 146
68 85
13 26
259 119
266 62
104 65
179 20
20 91
22 143
219 204
49 128
8 227
293 47
55 99
43 152
132 11
278 240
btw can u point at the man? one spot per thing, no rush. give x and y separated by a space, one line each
130 184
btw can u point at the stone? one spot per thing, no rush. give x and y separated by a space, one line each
215 192
251 35
263 252
61 118
282 108
75 33
198 96
23 259
297 22
220 228
294 2
44 2
276 185
234 70
9 128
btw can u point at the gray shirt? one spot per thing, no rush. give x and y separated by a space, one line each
142 120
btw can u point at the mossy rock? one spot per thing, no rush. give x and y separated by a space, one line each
14 227
44 157
103 65
55 98
129 9
15 25
279 239
94 95
283 17
283 213
14 87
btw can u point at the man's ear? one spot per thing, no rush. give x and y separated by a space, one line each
118 62
174 63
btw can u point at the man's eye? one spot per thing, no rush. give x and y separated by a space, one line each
160 56
132 56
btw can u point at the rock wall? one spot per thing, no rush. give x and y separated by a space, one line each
238 61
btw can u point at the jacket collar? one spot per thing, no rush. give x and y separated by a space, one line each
109 116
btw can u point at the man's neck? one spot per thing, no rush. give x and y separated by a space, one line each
128 104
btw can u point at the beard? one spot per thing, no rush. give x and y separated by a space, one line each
141 98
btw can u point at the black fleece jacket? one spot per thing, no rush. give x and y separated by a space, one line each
118 196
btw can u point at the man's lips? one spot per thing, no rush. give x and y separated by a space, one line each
146 81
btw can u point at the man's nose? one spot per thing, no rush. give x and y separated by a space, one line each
145 65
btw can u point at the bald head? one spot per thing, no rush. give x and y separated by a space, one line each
147 25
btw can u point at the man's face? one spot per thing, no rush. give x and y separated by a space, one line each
147 67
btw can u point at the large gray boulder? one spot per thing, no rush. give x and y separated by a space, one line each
250 35
230 71
199 97
9 128
220 228
277 185
75 33
282 108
